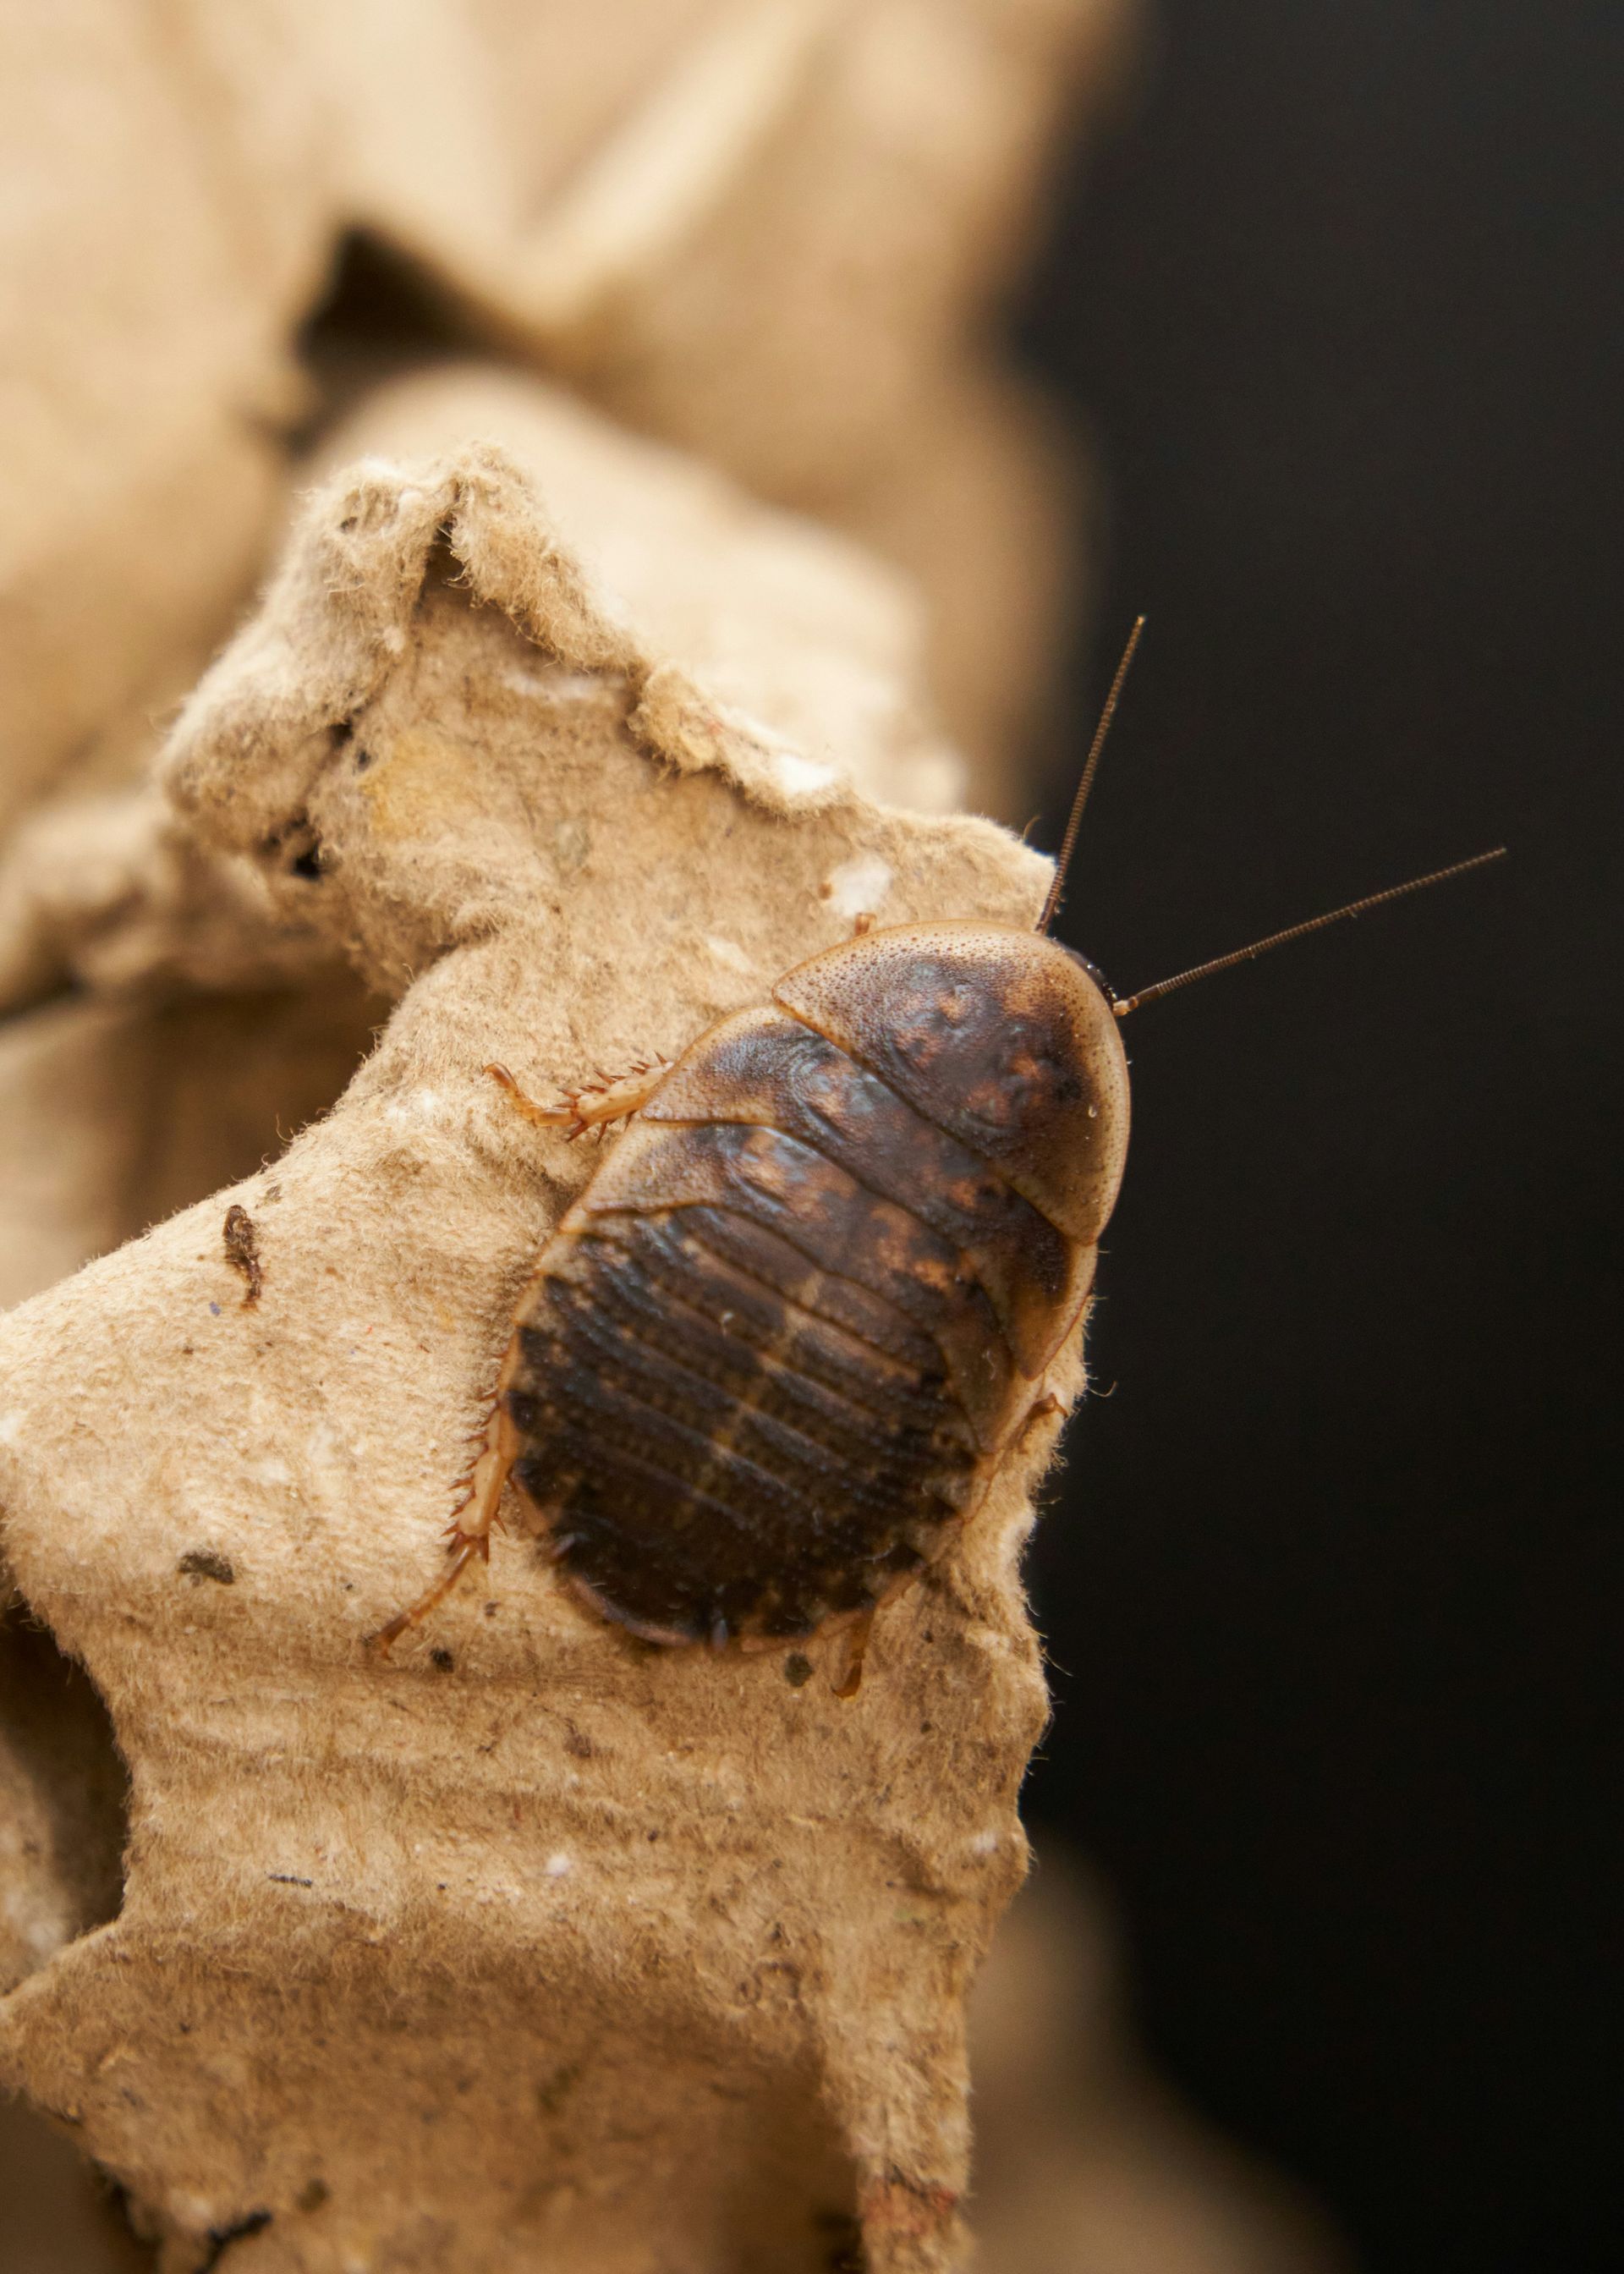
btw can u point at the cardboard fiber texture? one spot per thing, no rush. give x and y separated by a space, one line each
206 1018
1082 2158
782 619
533 1946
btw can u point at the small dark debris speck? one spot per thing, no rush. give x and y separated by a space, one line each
307 865
553 2091
215 1307
289 1879
441 1658
842 2242
797 1669
222 2238
363 759
207 1563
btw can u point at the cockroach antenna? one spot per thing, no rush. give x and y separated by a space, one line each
1123 1003
1051 906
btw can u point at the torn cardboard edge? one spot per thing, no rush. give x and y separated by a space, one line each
372 536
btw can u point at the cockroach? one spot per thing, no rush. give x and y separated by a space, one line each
772 1358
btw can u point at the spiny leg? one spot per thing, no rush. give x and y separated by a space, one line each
595 1104
851 1648
1042 1409
469 1533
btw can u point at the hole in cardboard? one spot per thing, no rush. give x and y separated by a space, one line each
794 2203
230 1077
380 314
64 1817
59 2214
63 1808
222 2238
122 1113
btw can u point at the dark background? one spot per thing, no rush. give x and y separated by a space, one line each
1330 1584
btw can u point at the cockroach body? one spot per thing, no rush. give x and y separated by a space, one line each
775 1354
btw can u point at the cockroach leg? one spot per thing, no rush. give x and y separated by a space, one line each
1042 1409
595 1104
548 1117
851 1648
465 1548
469 1533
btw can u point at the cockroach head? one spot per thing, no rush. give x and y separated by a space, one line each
1001 1037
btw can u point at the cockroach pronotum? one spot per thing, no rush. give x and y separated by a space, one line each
771 1359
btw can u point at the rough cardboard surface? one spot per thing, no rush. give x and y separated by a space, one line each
783 620
107 894
662 1956
133 1097
773 229
1082 2158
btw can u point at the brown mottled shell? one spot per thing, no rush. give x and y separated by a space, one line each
774 1353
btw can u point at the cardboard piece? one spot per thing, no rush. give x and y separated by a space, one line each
535 1947
132 1096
